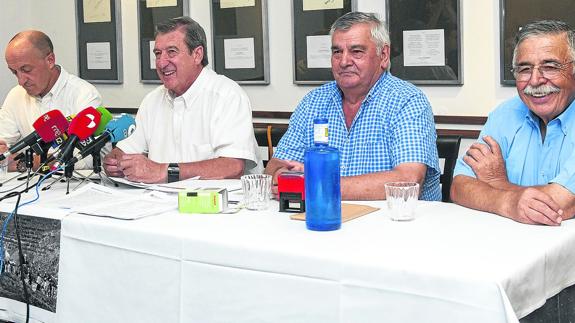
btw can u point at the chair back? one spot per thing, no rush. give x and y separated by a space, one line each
448 149
269 135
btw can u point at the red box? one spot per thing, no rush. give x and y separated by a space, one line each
291 189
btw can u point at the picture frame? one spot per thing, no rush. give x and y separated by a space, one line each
99 36
312 20
515 13
240 40
426 41
151 12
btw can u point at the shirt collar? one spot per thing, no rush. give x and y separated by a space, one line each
565 119
192 91
381 82
58 86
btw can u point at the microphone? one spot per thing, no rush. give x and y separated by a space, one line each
116 130
48 127
105 117
81 127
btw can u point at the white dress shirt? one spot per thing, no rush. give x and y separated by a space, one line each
211 119
70 94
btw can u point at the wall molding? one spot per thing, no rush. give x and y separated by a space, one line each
449 120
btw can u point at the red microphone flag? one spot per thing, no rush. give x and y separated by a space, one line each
50 125
84 123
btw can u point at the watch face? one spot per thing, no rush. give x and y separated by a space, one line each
173 173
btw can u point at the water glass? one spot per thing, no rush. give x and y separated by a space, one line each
401 199
3 169
257 191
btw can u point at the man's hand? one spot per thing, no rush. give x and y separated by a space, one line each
287 165
111 163
3 146
487 161
138 168
532 206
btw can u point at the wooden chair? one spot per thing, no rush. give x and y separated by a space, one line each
269 135
448 149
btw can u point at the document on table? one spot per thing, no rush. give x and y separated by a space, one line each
168 187
114 203
234 186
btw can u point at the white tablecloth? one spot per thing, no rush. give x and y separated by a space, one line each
451 264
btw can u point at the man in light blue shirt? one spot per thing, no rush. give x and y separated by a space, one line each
382 126
523 167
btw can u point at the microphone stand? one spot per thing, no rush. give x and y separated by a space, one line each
18 175
68 169
97 162
29 160
68 172
44 167
96 168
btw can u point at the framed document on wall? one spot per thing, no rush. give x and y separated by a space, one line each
98 25
151 12
240 36
312 20
426 41
516 13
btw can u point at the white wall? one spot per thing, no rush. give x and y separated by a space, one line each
479 94
8 27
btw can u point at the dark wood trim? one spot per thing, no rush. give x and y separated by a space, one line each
265 125
467 134
123 110
458 120
271 114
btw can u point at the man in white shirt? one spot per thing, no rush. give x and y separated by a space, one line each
198 123
42 86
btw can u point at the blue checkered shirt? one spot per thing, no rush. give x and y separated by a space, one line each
394 125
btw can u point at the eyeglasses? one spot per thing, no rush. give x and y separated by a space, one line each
548 70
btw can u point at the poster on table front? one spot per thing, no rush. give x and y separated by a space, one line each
40 239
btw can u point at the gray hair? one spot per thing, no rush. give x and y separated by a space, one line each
545 27
379 33
195 35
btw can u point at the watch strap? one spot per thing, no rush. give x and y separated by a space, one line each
173 172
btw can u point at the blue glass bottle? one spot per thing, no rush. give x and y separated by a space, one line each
322 182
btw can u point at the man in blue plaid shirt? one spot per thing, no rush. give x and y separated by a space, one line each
382 126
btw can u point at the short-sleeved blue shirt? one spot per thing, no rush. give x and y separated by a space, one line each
394 125
529 160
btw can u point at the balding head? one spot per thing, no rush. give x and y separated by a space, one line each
32 39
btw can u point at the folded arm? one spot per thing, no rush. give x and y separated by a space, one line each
491 191
361 187
532 205
372 186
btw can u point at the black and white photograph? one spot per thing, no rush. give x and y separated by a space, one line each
41 248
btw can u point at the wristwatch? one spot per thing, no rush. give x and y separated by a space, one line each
173 172
21 165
